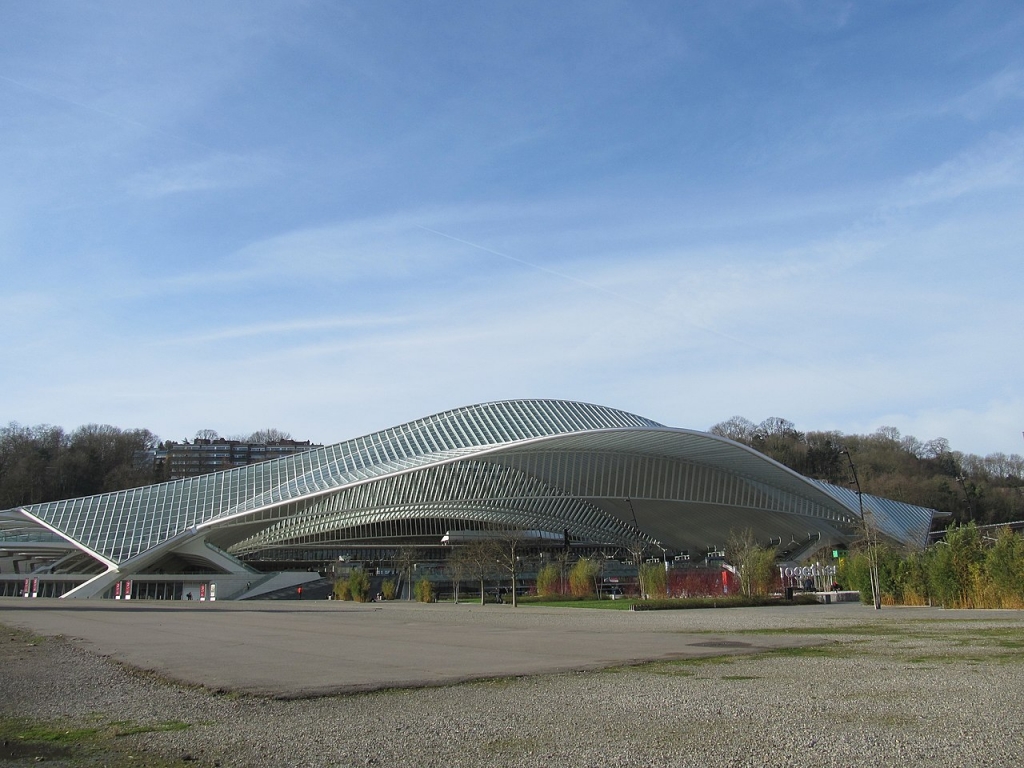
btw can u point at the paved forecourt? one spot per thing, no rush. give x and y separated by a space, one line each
294 648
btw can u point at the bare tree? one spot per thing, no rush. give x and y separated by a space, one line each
753 562
405 558
456 566
636 551
269 435
507 548
479 559
737 428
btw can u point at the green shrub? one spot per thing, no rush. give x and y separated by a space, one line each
342 590
855 573
913 579
424 591
955 567
961 571
389 589
1004 569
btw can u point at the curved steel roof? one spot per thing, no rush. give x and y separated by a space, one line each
608 475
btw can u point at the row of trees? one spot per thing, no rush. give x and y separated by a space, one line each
268 435
966 486
966 569
45 463
498 559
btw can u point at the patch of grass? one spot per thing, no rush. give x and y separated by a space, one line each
667 604
130 729
728 601
577 602
739 677
685 667
941 658
910 642
495 682
833 650
15 635
1007 658
971 659
674 668
963 642
510 746
22 730
868 630
76 745
669 671
675 672
880 719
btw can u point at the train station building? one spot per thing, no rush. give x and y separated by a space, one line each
571 474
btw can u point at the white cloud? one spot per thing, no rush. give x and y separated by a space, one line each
212 173
392 248
1006 85
270 330
995 163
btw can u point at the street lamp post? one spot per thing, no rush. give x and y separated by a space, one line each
637 551
876 592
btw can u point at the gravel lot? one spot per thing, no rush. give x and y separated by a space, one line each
914 688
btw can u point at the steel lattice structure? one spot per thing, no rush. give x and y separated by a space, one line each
605 476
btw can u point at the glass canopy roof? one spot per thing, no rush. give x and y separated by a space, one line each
537 464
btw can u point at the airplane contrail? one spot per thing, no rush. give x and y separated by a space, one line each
105 113
592 286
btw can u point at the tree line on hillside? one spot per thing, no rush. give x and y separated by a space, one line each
965 486
45 463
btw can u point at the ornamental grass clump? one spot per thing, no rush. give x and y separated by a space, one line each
359 586
549 581
342 590
424 591
583 578
963 570
653 580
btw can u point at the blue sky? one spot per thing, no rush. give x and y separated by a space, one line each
333 217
